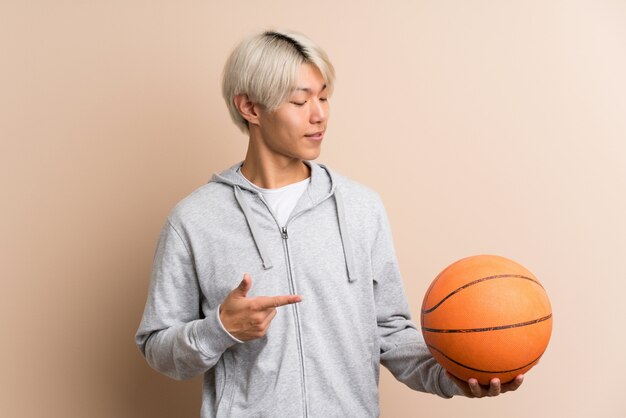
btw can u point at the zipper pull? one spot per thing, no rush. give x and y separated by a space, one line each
284 232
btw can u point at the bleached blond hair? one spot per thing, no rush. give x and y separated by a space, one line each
265 67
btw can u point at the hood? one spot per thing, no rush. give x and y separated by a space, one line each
323 185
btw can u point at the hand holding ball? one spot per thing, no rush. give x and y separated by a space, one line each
486 316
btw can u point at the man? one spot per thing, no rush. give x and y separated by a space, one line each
321 302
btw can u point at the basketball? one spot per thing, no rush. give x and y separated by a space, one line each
486 316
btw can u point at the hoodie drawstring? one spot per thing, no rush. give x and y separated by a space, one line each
345 240
254 229
261 247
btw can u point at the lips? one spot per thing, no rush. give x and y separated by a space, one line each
315 135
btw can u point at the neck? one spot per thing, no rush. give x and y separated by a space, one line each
269 170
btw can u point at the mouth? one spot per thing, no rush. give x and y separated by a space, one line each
317 136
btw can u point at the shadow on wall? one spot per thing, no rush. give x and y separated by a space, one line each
135 389
88 362
149 394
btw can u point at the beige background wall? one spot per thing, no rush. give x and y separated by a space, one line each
487 127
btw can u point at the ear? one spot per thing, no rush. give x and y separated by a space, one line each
248 110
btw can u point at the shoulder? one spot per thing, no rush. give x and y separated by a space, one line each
356 193
205 202
365 213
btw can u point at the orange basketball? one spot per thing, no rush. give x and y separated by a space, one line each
486 316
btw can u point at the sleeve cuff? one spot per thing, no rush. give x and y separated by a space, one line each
212 336
447 386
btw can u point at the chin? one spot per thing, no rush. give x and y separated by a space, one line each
312 156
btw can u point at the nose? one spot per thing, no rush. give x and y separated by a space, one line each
319 111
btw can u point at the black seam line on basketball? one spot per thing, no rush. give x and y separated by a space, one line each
432 285
465 286
500 327
479 370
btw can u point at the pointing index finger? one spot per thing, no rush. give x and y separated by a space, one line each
266 302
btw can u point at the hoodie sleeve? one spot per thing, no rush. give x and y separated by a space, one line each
402 348
174 336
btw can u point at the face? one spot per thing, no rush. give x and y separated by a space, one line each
296 129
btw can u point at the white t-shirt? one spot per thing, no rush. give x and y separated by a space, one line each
281 200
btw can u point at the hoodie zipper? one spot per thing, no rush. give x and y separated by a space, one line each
296 312
292 289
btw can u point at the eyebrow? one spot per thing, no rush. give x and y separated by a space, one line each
308 89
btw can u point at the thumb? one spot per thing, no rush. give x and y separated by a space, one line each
244 286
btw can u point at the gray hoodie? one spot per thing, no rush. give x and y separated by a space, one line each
320 357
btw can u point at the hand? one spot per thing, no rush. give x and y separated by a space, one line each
472 389
248 318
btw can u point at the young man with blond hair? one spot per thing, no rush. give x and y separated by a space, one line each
321 303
